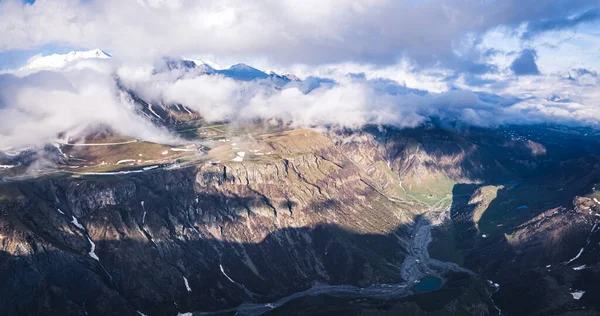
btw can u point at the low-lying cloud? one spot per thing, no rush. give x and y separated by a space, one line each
36 107
354 100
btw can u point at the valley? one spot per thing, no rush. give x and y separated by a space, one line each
299 158
322 215
259 217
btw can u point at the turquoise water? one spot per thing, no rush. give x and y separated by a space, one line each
428 284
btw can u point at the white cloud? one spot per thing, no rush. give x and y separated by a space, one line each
370 99
407 59
37 107
285 31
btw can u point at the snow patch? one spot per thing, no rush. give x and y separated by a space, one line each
240 156
165 152
577 256
225 274
186 109
581 267
187 284
76 223
92 252
143 216
577 294
152 111
60 211
59 150
125 161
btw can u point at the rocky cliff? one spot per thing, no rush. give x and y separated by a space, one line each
346 208
198 238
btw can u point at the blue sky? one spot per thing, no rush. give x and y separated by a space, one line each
14 59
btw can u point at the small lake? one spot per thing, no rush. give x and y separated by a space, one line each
428 284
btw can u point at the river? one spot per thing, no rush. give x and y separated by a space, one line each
420 272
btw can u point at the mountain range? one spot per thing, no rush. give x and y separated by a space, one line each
55 61
259 217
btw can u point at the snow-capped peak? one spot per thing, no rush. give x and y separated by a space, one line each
204 62
61 60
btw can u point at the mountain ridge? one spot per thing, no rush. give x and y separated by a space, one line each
56 61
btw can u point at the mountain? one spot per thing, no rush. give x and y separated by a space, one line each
259 217
243 72
263 219
203 62
61 60
196 67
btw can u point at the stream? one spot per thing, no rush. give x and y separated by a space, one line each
422 274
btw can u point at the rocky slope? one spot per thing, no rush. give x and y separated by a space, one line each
199 238
338 208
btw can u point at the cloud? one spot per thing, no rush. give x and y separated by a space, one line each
35 108
561 23
356 99
525 64
584 72
283 31
584 77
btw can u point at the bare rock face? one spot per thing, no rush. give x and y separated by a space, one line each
335 209
200 238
